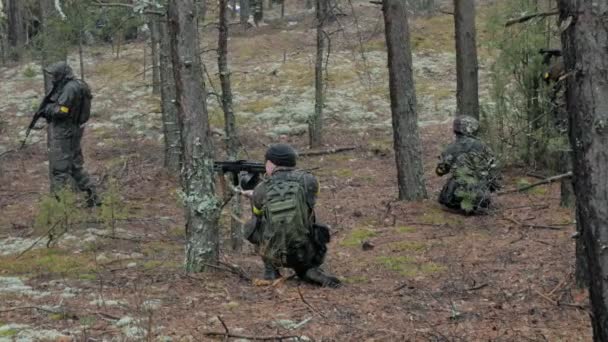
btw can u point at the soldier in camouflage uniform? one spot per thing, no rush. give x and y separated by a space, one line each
307 258
473 169
66 113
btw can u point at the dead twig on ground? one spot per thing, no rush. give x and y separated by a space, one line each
119 238
227 335
478 287
37 240
324 152
231 269
312 308
530 225
544 181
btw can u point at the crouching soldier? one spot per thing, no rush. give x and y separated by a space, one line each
473 168
283 225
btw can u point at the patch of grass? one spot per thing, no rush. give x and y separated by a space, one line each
433 34
357 236
405 246
29 72
299 75
374 45
87 320
407 266
405 229
8 332
48 261
402 264
118 70
433 89
258 106
344 173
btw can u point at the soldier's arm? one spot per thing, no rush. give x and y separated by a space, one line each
445 164
257 204
67 101
313 188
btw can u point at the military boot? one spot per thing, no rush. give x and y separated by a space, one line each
315 275
271 272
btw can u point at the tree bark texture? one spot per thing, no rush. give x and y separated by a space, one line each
585 51
201 204
17 34
467 98
244 13
408 155
168 102
154 39
236 228
315 126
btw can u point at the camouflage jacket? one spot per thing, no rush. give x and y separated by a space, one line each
309 182
470 162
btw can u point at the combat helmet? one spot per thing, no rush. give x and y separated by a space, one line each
466 125
59 72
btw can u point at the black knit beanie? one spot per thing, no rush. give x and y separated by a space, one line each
281 155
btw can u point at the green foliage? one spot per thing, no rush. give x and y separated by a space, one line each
113 207
29 72
517 119
59 213
8 333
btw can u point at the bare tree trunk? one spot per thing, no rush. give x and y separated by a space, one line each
309 4
244 13
81 53
201 204
17 34
236 231
315 126
585 51
154 52
168 101
408 155
467 98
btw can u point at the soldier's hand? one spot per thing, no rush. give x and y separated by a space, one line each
247 193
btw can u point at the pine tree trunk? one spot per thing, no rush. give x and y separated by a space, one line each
585 51
16 30
201 204
244 13
467 99
315 125
408 155
154 39
168 101
236 228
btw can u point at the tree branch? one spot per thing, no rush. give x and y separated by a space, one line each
544 181
529 16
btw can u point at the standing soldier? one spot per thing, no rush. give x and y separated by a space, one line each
66 113
283 225
474 173
257 8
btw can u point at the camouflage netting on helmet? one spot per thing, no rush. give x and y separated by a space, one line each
466 125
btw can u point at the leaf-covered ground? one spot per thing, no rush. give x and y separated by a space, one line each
432 275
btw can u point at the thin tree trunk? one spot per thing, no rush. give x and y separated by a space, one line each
168 102
236 231
154 52
201 204
585 51
244 13
315 126
16 27
81 54
466 59
408 155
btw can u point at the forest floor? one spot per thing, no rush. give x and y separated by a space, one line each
432 275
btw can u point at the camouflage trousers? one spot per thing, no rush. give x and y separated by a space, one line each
66 163
454 193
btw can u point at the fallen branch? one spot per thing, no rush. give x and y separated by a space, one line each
530 16
37 240
530 225
312 308
478 287
118 237
324 152
253 338
544 181
231 269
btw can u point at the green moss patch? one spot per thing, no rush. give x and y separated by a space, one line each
49 261
357 236
408 266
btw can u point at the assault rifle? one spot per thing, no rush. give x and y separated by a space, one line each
37 116
245 174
